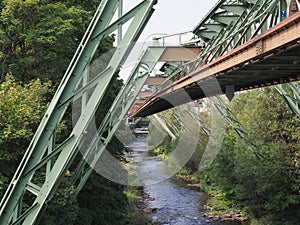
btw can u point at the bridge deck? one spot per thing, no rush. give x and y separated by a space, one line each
271 58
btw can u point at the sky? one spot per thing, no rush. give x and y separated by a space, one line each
169 17
172 16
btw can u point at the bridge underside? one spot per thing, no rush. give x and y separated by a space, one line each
271 58
282 67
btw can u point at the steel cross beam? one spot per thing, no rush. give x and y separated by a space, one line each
176 114
170 123
291 94
43 151
116 115
161 123
203 125
276 47
191 115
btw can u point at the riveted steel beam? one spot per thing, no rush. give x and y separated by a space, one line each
273 48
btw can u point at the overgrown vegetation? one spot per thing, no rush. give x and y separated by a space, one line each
267 189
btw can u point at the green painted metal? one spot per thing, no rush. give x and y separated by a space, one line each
117 113
46 129
231 119
231 23
169 123
161 123
203 125
291 94
42 152
189 114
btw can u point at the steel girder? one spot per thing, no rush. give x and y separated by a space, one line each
44 154
157 121
166 122
235 17
203 125
231 23
116 115
188 108
231 119
291 94
193 115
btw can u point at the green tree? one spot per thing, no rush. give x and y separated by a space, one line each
37 41
38 38
266 188
21 109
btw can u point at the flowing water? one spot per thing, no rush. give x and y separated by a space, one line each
172 203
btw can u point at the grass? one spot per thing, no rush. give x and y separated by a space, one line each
135 216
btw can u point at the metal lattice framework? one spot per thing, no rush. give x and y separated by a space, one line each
238 127
45 155
291 94
159 123
229 24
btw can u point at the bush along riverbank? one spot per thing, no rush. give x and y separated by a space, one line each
217 207
259 178
139 210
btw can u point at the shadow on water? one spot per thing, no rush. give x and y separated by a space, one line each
172 202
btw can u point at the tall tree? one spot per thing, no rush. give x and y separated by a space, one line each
21 109
267 188
38 38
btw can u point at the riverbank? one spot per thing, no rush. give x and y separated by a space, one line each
217 207
165 200
139 210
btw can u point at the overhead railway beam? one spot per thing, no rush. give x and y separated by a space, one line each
270 58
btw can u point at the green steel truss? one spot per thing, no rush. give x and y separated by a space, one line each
291 94
116 115
231 119
160 123
228 24
231 23
45 155
172 121
196 117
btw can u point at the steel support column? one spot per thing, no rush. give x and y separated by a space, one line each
163 125
231 119
116 115
291 94
40 154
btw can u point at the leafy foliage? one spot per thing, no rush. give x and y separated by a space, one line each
21 109
38 38
268 188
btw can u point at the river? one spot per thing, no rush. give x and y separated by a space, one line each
172 202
